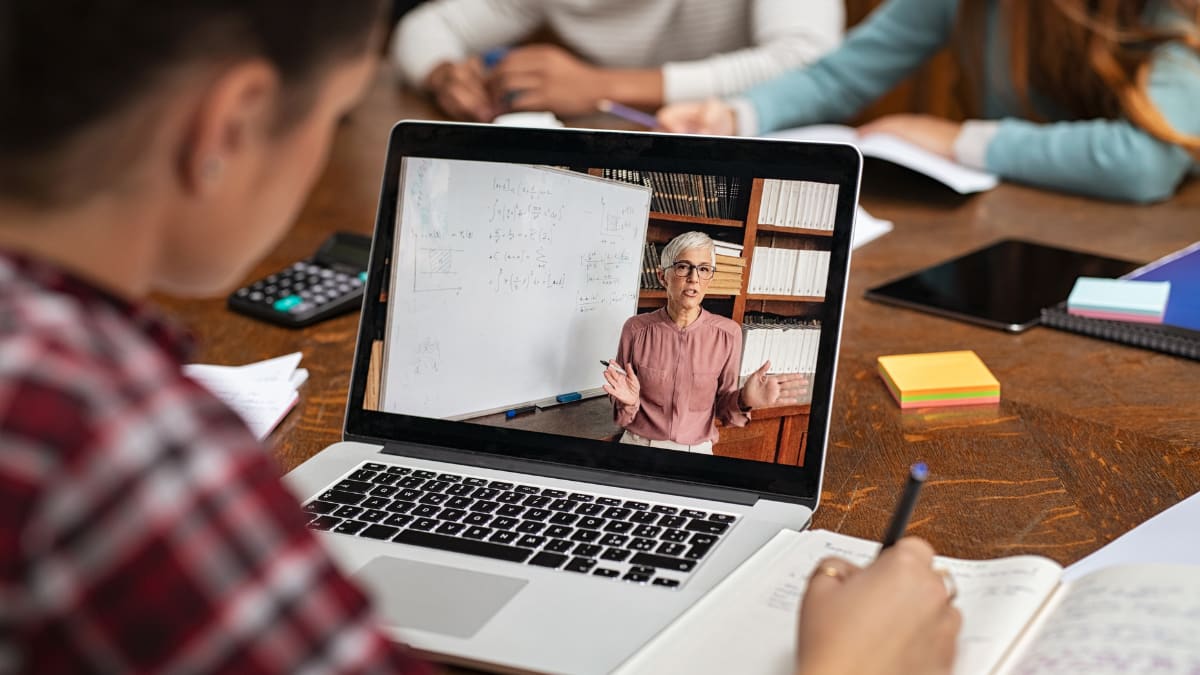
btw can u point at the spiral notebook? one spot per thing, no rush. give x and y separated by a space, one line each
1179 334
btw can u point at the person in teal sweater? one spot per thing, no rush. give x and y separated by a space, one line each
1094 98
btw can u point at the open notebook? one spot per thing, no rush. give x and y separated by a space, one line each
1019 616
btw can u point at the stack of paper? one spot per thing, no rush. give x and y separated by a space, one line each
1119 299
939 379
260 393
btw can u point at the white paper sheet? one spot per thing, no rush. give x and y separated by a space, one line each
261 393
1169 537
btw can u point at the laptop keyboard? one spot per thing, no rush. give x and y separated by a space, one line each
636 541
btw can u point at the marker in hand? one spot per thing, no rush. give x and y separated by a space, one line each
609 364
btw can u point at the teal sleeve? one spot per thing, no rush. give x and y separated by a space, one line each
1109 159
887 46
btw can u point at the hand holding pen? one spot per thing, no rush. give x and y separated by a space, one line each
622 383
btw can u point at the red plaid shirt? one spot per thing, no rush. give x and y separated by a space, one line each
142 528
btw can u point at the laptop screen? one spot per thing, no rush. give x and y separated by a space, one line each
522 302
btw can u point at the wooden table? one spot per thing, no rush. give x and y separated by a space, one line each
1090 438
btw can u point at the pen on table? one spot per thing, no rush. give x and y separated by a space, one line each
523 410
627 113
614 366
917 474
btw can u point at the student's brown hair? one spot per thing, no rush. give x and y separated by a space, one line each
1090 58
69 66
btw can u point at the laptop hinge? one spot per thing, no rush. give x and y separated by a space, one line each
583 474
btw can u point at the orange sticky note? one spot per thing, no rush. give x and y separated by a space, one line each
939 379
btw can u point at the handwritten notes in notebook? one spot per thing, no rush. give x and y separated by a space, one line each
260 393
1119 621
961 179
1018 619
748 623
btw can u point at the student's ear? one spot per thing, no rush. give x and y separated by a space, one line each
233 115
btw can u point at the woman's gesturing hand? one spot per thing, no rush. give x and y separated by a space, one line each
622 383
762 390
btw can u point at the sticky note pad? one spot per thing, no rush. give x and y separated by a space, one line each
1119 299
939 379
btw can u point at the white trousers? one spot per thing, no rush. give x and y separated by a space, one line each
631 438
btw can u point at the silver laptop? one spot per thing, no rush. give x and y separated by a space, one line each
481 493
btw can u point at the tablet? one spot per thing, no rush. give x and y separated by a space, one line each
1004 285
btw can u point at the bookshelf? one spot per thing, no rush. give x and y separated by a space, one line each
775 435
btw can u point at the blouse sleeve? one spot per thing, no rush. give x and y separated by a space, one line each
624 415
729 409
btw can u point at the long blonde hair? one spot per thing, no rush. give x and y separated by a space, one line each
1091 58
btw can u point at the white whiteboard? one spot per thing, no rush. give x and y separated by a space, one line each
509 283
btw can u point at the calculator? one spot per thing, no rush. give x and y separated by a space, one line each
326 285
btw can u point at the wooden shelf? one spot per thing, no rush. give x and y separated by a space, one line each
694 220
784 298
795 230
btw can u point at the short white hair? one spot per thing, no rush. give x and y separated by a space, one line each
682 243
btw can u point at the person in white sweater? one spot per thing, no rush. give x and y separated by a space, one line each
643 53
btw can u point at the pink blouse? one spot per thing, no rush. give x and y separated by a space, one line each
689 377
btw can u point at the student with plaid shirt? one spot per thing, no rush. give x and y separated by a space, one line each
150 145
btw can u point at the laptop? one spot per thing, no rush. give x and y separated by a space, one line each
481 494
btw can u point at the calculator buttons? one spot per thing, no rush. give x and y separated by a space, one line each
287 303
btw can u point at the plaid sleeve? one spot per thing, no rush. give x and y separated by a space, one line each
149 532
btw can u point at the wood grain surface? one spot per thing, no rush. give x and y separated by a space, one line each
1090 438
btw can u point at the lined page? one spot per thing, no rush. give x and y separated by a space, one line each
1120 621
748 623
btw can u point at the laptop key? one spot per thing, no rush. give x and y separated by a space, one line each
644 517
459 502
319 507
722 517
581 565
399 470
586 535
363 475
449 477
477 532
697 552
435 486
587 550
589 509
398 520
663 581
640 544
475 481
636 578
707 526
527 489
399 506
386 478
503 523
410 482
379 532
547 559
646 531
531 527
372 515
618 526
510 497
424 524
424 474
485 507
665 562
461 545
341 497
616 512
674 536
460 489
578 497
485 493
408 494
531 541
374 466
348 511
591 523
637 506
503 537
558 531
476 519
510 510
349 526
562 505
433 498
324 523
605 572
426 511
558 546
451 514
667 548
608 501
375 503
553 494
384 490
703 540
692 513
672 521
537 514
536 501
498 484
450 528
667 510
614 540
615 554
564 518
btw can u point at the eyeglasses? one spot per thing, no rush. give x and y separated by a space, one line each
684 269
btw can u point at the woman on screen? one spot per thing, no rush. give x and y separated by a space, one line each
676 370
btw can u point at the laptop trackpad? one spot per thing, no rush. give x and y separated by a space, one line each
436 598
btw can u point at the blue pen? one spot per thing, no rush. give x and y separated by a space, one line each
523 410
626 113
917 474
493 57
